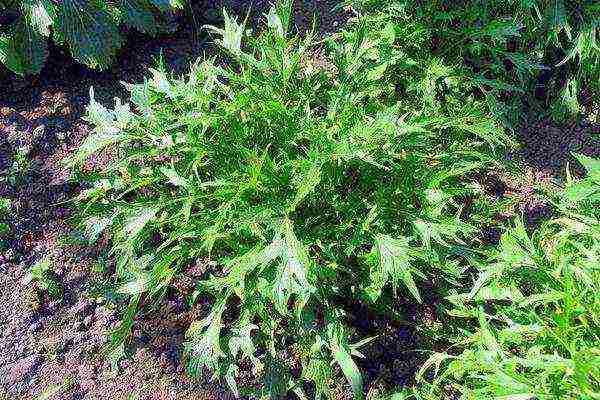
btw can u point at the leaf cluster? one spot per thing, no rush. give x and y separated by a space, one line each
306 172
89 29
535 307
540 51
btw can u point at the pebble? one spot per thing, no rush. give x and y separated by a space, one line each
89 320
54 305
78 326
88 348
10 255
103 314
21 349
87 384
63 347
86 372
140 355
165 362
79 337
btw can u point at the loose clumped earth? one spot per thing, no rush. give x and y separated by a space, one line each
50 342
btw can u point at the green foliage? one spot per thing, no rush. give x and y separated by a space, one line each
536 308
5 208
512 48
5 205
89 29
44 277
53 391
19 168
304 175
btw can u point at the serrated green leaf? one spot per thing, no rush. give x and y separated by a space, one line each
29 45
161 83
94 226
92 144
137 220
165 5
174 178
115 348
89 31
557 16
276 378
308 183
591 165
9 55
342 355
204 341
393 265
275 23
42 15
292 273
231 34
138 14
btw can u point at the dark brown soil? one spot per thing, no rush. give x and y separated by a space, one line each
549 147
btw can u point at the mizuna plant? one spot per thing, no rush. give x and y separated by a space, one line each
296 175
521 52
89 29
536 309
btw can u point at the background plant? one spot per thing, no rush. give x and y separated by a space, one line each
535 308
5 209
544 51
45 279
303 173
89 29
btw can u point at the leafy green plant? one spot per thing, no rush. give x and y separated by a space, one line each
20 166
536 309
53 391
512 48
42 275
89 29
5 206
297 175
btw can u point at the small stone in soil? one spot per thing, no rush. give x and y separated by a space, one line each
140 355
78 326
125 363
85 372
78 338
54 305
35 327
